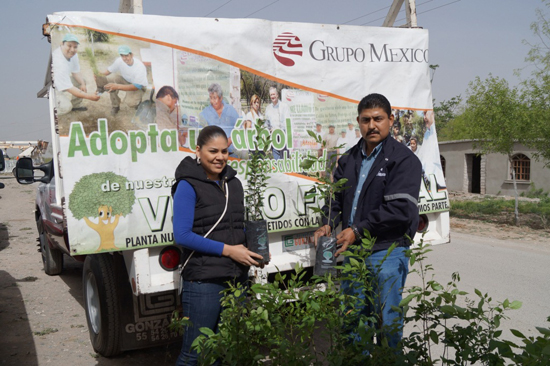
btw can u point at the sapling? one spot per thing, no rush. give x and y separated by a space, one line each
324 190
257 175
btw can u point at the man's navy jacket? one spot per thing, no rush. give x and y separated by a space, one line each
387 206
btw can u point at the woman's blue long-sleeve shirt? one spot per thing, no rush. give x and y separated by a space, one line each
185 199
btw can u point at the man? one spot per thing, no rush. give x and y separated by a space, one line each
357 136
70 85
128 74
384 182
167 108
331 139
396 129
429 153
414 144
219 113
350 132
343 143
276 115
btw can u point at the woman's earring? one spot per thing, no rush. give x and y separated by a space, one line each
198 160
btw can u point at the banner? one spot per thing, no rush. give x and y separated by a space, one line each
132 92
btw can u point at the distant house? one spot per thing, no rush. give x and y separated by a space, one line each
467 171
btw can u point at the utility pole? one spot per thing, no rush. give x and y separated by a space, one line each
410 11
131 6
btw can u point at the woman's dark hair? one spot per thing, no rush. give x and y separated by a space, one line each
208 133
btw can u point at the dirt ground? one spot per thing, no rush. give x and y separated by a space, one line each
42 318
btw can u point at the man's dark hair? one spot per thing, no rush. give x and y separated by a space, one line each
208 133
167 90
397 124
374 101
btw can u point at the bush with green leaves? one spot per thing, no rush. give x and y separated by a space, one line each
300 325
257 173
87 195
325 189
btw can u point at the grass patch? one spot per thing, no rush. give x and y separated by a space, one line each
534 214
46 331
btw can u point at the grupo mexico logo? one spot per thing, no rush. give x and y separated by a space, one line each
286 48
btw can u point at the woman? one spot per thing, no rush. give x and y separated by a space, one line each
254 114
206 190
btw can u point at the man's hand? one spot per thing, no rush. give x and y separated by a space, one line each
93 97
111 86
83 88
345 239
322 231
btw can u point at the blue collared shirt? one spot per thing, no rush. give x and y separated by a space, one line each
366 165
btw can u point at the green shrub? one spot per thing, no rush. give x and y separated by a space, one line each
287 327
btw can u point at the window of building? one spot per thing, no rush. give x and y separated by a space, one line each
443 163
522 166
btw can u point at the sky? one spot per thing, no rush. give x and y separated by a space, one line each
468 38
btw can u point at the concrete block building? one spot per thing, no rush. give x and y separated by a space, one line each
466 170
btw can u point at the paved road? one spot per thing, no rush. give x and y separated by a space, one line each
504 269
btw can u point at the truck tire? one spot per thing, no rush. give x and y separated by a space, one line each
52 259
101 301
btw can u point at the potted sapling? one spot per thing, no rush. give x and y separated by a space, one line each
324 191
256 177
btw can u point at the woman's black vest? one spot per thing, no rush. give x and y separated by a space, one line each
208 209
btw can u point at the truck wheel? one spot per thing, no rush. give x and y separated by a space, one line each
52 259
101 301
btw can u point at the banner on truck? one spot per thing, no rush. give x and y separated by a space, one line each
133 91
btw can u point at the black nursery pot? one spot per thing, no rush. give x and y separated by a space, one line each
325 259
257 239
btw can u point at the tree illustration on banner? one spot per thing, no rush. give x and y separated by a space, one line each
102 196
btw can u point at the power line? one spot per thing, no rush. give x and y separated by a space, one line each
437 7
261 8
362 16
425 2
219 7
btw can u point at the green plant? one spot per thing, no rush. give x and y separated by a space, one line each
536 350
467 328
290 323
325 189
534 192
257 173
93 63
299 325
97 36
46 331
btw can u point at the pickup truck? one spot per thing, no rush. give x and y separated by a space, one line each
105 198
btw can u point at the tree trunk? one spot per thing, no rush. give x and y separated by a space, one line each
516 209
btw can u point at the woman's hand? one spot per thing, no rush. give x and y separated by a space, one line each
241 254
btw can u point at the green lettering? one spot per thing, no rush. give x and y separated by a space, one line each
169 140
138 143
123 139
289 133
238 139
153 134
98 140
278 139
77 140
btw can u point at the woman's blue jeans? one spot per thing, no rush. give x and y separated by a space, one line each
201 302
388 279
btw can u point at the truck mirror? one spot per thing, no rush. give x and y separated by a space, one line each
24 171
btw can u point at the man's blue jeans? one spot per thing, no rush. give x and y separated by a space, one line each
201 302
388 279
